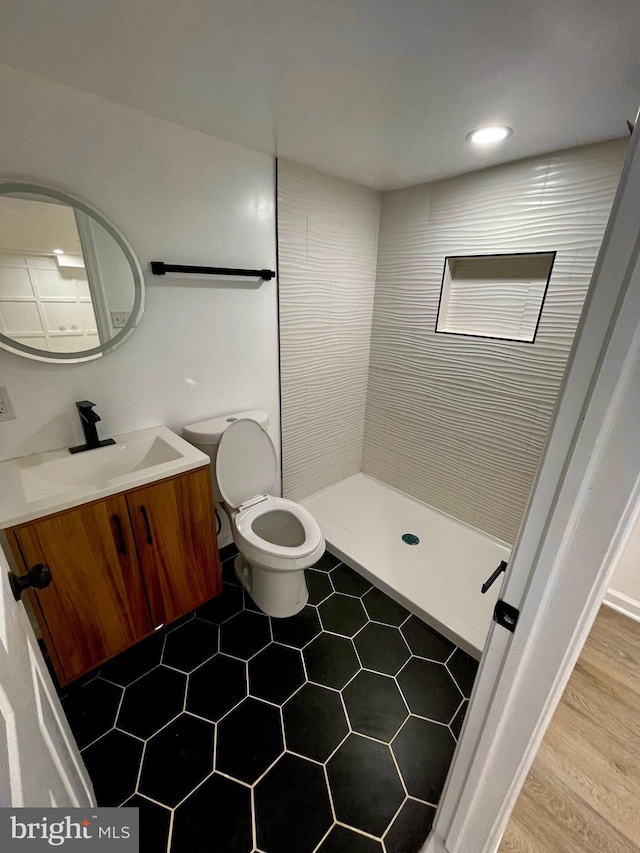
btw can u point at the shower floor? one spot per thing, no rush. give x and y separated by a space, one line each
439 579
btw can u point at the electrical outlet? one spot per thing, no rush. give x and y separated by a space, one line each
6 409
119 319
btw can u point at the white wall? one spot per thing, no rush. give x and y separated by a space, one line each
328 241
203 347
624 588
460 422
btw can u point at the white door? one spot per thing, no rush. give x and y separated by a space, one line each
40 764
579 513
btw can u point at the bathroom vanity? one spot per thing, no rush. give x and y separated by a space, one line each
127 533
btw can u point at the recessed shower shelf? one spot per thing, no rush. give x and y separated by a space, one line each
494 296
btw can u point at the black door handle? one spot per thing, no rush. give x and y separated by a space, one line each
491 580
38 576
143 510
122 548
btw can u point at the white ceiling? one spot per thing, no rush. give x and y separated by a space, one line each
381 92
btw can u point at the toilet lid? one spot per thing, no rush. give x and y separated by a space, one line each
246 463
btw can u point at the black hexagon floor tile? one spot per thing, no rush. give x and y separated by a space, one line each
458 720
228 572
331 660
216 686
91 709
381 608
314 722
176 623
430 690
244 634
293 811
326 562
374 705
343 840
114 750
223 606
177 759
190 645
365 786
153 700
297 630
349 582
154 824
216 816
342 614
464 670
275 673
176 766
249 740
424 751
319 586
130 665
424 641
409 830
249 603
382 648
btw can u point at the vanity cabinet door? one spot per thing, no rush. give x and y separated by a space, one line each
95 605
175 536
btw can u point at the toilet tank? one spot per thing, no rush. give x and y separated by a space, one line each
206 435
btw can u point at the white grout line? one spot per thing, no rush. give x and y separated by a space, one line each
262 775
170 833
349 732
357 831
193 790
315 761
330 793
323 839
400 776
423 802
139 775
254 820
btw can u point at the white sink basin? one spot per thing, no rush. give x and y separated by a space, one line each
38 485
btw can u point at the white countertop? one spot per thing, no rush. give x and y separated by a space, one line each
44 483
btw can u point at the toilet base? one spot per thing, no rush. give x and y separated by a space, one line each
278 594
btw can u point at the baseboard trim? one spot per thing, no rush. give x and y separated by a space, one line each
623 604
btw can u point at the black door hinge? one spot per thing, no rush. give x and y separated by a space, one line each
506 615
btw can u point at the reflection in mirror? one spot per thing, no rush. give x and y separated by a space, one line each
66 285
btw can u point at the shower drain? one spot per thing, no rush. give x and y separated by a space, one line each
410 538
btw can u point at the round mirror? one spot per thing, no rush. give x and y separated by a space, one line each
71 288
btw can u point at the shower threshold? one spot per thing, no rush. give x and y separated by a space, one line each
438 578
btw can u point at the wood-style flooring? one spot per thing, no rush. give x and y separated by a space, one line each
582 794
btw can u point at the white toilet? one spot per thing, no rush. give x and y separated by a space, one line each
277 538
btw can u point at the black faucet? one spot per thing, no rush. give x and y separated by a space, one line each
88 420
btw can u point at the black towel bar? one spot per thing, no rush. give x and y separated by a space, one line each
160 268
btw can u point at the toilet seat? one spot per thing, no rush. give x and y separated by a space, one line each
246 471
244 519
246 464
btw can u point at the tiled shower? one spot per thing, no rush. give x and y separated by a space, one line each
369 388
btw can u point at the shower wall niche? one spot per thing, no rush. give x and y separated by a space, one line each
457 421
494 296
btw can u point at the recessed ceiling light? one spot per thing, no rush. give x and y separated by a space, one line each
58 251
486 135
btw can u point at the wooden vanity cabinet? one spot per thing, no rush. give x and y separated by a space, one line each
174 531
120 568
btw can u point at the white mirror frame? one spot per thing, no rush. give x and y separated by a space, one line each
12 187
